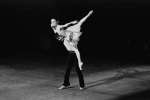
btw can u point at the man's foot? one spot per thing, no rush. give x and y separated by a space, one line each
63 87
82 88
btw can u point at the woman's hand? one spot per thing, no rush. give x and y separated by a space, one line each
74 22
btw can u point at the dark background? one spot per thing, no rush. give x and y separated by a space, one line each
118 29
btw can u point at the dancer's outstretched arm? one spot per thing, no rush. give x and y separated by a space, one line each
73 22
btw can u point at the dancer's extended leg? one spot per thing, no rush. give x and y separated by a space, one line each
77 27
78 57
84 18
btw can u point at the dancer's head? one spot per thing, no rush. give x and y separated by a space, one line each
54 22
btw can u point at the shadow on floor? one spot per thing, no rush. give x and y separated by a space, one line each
142 95
128 73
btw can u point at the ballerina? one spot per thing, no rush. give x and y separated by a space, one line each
70 36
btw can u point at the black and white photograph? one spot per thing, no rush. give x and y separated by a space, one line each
74 50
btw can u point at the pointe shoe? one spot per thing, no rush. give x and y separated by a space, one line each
91 12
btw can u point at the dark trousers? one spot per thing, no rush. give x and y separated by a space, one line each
71 60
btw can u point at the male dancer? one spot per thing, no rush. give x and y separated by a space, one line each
71 37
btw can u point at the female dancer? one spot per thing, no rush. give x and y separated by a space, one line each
70 35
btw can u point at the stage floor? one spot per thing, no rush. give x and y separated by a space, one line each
130 82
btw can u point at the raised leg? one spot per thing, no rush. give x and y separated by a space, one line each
77 27
84 18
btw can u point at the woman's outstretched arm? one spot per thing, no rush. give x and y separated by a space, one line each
73 22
